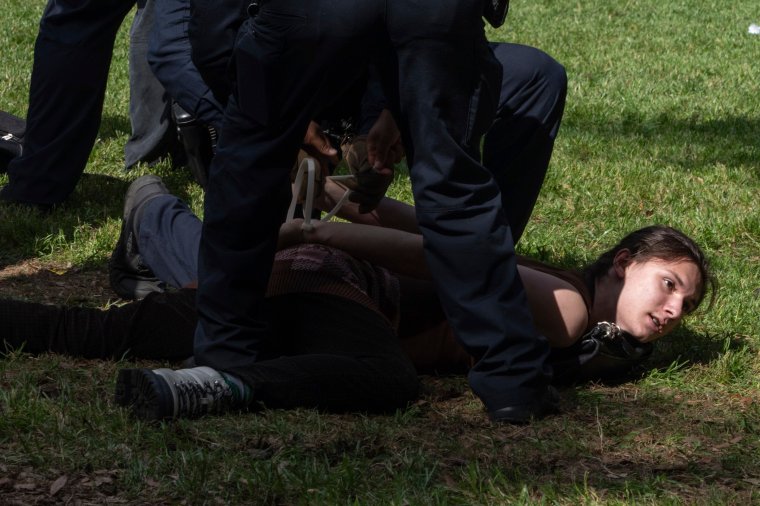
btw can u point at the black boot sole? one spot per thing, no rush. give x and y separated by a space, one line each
147 394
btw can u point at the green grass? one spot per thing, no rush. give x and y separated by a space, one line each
662 125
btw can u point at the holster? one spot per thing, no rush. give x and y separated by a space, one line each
199 141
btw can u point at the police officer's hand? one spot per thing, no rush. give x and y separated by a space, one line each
367 185
384 147
370 159
317 144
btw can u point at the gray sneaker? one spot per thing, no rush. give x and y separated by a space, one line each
163 394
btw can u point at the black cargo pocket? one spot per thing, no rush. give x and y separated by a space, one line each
485 99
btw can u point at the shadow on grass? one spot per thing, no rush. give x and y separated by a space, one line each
46 283
565 260
28 233
687 347
112 127
628 440
686 143
610 444
625 440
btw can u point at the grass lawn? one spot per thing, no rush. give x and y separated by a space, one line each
662 125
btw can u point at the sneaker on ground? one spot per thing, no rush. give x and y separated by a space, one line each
164 394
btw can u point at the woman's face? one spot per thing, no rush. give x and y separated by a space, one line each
655 295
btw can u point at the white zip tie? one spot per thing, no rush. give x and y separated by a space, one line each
308 168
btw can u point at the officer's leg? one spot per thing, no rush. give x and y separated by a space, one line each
518 146
71 60
448 92
285 74
153 131
212 29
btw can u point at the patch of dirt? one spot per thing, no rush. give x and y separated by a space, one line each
30 487
52 283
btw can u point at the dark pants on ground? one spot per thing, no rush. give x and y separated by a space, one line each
290 60
72 56
351 363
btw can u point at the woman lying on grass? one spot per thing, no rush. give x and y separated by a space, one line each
354 315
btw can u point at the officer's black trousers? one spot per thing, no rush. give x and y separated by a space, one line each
444 81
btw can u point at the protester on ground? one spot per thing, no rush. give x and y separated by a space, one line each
347 327
441 81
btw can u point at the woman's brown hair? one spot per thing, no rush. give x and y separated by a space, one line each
662 243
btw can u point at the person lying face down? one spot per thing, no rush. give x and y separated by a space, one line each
380 331
645 284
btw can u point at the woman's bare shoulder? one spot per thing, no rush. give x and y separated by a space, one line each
558 308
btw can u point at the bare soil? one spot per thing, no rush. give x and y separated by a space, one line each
51 283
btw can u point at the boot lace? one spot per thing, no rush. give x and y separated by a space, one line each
201 397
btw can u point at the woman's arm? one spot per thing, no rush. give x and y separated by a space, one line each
389 213
558 310
396 250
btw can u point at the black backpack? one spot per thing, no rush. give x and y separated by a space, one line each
12 129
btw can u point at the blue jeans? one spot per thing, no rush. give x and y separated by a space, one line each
168 236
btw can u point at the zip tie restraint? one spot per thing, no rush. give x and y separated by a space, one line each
308 168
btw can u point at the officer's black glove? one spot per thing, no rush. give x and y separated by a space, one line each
367 185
